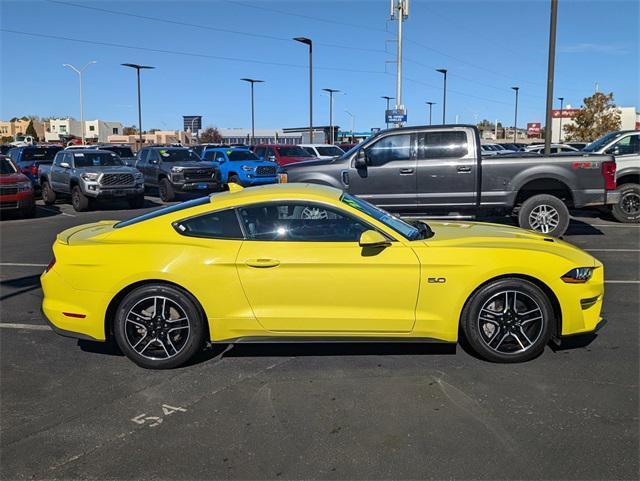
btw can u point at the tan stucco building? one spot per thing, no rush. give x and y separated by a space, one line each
11 128
161 137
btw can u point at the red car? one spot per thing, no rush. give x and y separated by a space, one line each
282 154
16 190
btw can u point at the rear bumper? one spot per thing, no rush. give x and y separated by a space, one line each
594 198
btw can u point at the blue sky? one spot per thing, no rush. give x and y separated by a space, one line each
487 46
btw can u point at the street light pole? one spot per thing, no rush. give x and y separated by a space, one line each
353 124
307 41
331 92
387 98
443 71
550 68
561 99
253 118
79 72
515 121
138 68
431 104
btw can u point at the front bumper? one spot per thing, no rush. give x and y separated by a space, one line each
17 201
96 191
196 186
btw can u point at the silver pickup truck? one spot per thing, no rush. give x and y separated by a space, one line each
624 145
439 171
88 174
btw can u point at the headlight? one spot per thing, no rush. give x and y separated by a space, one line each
177 170
89 176
24 186
138 175
247 168
579 275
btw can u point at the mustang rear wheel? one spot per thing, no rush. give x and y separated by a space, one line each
159 327
509 320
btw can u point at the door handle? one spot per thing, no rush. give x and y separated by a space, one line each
464 170
406 171
260 263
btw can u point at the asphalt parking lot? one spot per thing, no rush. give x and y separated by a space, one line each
74 409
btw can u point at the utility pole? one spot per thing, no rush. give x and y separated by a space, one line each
353 124
331 133
399 11
561 99
387 98
253 116
138 68
309 43
550 67
443 71
431 104
79 72
515 120
496 130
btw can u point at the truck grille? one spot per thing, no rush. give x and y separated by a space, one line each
8 189
117 179
198 174
266 170
9 205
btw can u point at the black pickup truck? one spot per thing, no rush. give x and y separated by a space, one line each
439 171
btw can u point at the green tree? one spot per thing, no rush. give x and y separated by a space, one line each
32 131
210 135
598 116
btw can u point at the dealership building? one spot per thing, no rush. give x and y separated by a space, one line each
629 116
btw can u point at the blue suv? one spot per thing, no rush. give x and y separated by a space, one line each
241 166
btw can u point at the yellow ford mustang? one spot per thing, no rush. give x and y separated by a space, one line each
300 262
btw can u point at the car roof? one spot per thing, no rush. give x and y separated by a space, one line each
90 151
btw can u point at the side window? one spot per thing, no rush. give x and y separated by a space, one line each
260 151
58 158
215 225
300 222
627 145
220 157
442 145
68 158
13 154
389 149
209 155
143 156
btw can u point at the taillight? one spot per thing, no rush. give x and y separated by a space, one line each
34 169
609 173
52 263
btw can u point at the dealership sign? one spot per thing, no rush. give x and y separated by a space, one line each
533 129
564 113
395 116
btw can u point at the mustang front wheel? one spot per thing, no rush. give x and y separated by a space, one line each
159 327
509 320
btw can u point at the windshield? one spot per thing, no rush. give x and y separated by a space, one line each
95 159
395 223
39 153
178 155
7 167
331 150
293 151
121 151
241 155
601 142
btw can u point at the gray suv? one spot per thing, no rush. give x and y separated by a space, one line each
88 174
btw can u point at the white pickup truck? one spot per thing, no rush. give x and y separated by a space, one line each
624 145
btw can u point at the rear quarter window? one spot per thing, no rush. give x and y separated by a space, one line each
214 225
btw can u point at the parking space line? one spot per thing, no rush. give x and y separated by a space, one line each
54 211
612 250
622 282
20 264
33 327
616 225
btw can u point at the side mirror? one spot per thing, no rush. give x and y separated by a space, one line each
373 238
360 161
64 165
271 158
153 161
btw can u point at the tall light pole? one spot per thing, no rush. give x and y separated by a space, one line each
253 117
353 124
553 18
399 11
138 68
443 71
331 92
307 41
496 130
387 98
515 121
79 72
430 104
561 99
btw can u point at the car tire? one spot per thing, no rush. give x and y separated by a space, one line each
234 179
29 212
544 213
158 342
136 202
627 210
165 189
79 201
48 194
508 320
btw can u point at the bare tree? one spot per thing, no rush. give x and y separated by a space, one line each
210 135
597 117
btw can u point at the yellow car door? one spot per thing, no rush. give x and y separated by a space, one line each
303 270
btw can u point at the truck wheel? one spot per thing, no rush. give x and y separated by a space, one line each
234 179
167 194
544 213
48 194
136 202
627 210
79 201
29 212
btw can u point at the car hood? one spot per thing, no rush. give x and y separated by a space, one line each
12 178
109 169
482 234
194 164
